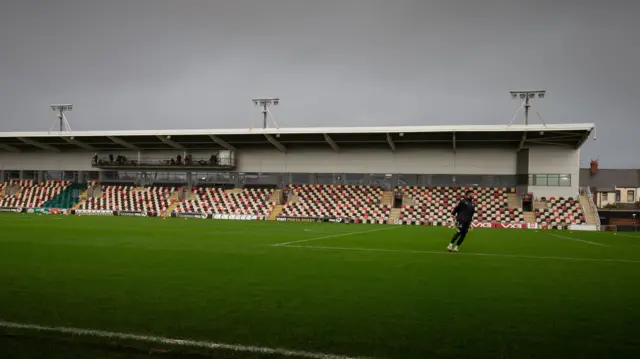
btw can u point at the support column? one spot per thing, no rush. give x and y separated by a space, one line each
190 179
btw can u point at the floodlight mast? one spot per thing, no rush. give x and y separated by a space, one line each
527 96
61 109
264 104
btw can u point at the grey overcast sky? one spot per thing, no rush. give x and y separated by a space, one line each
165 64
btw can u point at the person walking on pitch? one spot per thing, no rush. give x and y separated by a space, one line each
464 212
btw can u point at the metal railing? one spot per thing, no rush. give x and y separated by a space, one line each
587 192
169 163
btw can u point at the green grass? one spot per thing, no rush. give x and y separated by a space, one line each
391 292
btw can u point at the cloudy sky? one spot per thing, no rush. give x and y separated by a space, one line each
165 64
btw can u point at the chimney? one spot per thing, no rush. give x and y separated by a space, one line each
594 167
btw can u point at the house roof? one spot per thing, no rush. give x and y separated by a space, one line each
609 179
513 136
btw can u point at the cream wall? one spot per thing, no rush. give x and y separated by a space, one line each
555 160
380 161
624 192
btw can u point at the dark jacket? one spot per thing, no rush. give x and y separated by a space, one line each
464 211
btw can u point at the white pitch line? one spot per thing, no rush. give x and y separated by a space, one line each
335 236
578 240
468 254
176 342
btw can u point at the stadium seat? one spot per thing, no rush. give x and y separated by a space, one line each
433 205
560 213
248 201
153 199
357 203
34 195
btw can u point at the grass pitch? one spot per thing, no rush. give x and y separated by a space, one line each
349 290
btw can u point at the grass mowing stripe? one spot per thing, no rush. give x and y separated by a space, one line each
466 254
335 236
577 240
175 342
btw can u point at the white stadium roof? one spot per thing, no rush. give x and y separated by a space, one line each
513 136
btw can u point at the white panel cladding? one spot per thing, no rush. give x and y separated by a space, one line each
555 160
464 161
431 161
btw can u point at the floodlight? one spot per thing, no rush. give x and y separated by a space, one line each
61 109
526 96
264 103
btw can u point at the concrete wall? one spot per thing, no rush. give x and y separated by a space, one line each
381 161
555 160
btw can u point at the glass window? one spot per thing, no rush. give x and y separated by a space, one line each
408 180
605 196
259 178
94 175
53 175
553 180
565 180
111 175
69 175
442 180
383 181
326 178
300 178
631 196
354 178
29 175
617 196
531 182
541 180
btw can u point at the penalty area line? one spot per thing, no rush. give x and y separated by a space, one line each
516 256
175 342
575 239
334 236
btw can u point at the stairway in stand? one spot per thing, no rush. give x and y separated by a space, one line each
83 200
275 213
514 200
387 198
275 197
394 215
175 202
529 217
589 216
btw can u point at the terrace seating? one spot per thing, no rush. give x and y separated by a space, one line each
433 205
215 200
560 213
129 198
357 203
34 195
66 198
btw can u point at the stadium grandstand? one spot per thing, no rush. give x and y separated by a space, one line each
524 176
